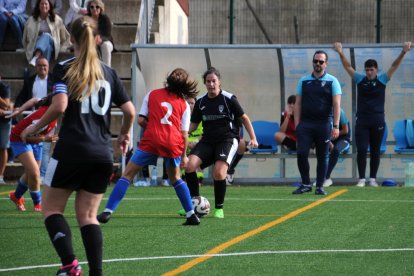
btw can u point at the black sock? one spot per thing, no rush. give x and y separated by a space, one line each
61 237
234 163
93 243
192 183
219 193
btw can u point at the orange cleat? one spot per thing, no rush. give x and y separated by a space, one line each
18 201
37 207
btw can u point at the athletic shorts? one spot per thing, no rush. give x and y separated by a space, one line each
142 158
210 153
91 177
290 143
5 128
21 147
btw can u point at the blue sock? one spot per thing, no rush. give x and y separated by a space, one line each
20 189
36 197
183 193
117 194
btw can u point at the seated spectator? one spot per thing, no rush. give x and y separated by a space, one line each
77 8
45 34
12 12
57 6
286 136
96 10
5 126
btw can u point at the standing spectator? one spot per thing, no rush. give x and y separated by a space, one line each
57 6
77 8
218 111
38 86
29 153
96 10
5 126
316 95
337 147
286 136
12 12
165 116
82 160
370 121
45 34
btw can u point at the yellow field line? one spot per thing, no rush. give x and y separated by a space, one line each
249 234
6 193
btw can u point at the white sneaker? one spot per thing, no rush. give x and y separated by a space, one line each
372 182
143 183
165 183
2 182
33 61
328 182
229 179
361 183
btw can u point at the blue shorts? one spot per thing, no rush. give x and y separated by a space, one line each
5 128
20 147
142 158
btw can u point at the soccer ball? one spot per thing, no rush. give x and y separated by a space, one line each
201 206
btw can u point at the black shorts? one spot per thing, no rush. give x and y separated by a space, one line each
91 177
209 153
290 143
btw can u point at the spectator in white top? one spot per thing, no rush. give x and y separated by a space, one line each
77 8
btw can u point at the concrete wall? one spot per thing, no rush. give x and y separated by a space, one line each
173 24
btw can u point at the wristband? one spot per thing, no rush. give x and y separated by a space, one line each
336 126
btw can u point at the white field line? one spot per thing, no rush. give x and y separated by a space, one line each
263 199
334 251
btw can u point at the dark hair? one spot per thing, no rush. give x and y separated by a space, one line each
320 52
371 63
178 82
36 11
46 101
291 99
211 70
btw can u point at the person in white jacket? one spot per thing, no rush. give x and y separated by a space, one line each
77 8
44 34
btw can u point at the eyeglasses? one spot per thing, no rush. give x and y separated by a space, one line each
95 7
318 61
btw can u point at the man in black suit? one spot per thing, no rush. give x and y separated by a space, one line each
38 85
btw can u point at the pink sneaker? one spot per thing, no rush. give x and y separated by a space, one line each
73 269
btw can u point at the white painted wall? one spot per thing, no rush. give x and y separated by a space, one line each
173 24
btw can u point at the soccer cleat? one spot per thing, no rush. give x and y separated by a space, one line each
328 182
320 191
181 212
165 183
104 217
218 213
37 207
372 182
229 179
302 189
2 182
73 269
192 220
18 201
361 183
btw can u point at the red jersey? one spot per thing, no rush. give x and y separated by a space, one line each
291 129
30 119
168 115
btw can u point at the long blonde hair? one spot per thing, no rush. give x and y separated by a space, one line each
86 68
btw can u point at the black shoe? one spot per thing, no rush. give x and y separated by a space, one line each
320 191
193 220
104 217
302 189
